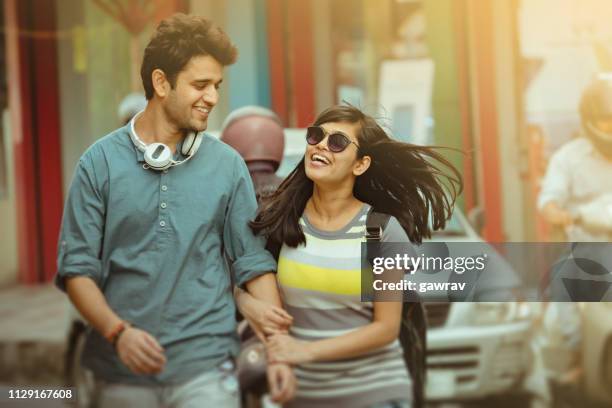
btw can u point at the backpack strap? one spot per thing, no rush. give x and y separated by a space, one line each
412 336
375 225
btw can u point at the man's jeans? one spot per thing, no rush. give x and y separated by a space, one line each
216 388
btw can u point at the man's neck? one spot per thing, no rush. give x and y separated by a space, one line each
152 126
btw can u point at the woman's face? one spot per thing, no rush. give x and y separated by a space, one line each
326 167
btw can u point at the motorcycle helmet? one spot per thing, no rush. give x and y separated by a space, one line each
596 113
256 133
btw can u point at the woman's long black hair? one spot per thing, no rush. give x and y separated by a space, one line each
404 180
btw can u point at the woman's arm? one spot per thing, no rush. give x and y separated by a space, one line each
264 317
383 330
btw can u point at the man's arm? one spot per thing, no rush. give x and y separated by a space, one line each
91 304
80 272
246 252
137 349
555 190
281 380
251 265
261 306
264 288
555 215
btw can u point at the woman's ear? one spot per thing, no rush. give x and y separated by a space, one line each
362 165
160 83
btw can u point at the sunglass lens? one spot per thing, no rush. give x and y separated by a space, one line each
314 135
337 142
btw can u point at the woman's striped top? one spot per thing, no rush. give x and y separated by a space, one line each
321 287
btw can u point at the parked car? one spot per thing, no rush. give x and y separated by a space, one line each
476 349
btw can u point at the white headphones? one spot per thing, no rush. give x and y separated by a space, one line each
158 156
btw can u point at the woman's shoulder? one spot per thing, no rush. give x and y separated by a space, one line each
394 232
392 229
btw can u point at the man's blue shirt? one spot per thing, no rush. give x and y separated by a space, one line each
154 242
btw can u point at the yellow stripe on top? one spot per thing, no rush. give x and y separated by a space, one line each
306 276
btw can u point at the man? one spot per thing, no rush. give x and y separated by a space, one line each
152 209
577 177
579 172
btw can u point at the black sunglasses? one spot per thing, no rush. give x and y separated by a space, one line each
336 143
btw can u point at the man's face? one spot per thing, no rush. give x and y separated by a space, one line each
195 94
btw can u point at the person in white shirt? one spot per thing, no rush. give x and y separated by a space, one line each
576 191
580 172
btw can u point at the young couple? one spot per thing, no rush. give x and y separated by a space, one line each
156 207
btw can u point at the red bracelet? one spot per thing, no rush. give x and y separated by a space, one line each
113 336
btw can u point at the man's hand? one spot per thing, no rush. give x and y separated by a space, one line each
140 352
282 348
556 215
281 382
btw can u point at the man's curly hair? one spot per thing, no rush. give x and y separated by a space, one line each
179 38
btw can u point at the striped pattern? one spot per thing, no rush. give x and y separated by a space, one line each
320 283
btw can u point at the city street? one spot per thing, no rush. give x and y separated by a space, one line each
32 347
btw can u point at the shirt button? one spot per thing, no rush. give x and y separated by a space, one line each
164 188
162 223
163 205
165 171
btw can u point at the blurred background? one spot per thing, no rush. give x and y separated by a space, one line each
499 79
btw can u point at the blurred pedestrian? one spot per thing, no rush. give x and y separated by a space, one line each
257 135
151 208
347 352
576 182
579 173
129 106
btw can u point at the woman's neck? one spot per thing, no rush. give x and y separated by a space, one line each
332 206
152 126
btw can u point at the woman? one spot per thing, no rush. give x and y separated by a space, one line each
346 352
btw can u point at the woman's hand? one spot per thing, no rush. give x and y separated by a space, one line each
265 319
282 382
285 349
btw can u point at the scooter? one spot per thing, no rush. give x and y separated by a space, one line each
562 322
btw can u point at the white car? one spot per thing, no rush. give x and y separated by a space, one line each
474 350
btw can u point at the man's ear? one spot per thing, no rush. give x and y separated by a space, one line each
160 83
362 165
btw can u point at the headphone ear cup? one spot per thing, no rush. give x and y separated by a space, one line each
187 144
158 156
